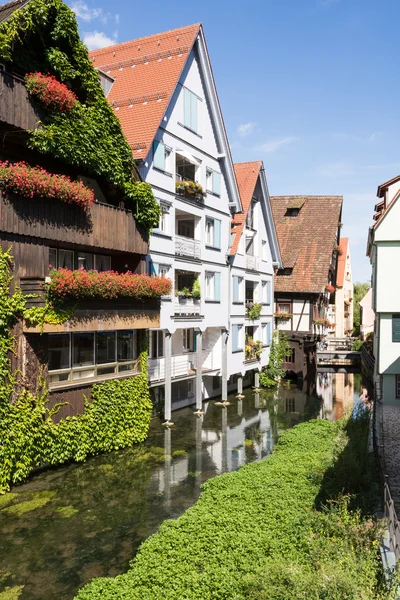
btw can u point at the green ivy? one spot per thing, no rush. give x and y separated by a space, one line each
43 36
117 416
53 314
271 375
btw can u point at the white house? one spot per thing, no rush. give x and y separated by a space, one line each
384 252
165 97
254 254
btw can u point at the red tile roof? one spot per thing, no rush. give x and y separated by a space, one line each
342 259
306 241
146 72
246 176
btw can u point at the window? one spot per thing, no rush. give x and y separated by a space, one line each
213 182
250 218
186 228
269 336
213 232
74 356
190 110
395 328
66 259
290 356
284 307
397 386
158 270
85 261
249 245
237 289
163 224
157 344
188 340
290 405
161 155
264 250
213 286
215 383
292 212
237 337
102 262
266 292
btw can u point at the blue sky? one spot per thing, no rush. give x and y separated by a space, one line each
311 87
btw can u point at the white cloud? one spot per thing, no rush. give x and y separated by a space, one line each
82 11
275 144
246 129
98 39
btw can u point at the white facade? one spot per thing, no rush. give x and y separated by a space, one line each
384 253
252 282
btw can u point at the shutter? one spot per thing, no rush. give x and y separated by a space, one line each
235 335
159 156
195 334
216 183
217 286
396 328
268 334
217 233
193 112
235 288
155 267
187 107
268 292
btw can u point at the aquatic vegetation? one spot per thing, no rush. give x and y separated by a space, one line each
280 528
12 593
179 453
39 499
67 511
5 500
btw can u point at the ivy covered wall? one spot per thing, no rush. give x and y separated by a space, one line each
43 37
117 416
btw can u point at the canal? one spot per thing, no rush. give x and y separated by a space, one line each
68 525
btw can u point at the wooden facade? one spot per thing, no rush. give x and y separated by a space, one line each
35 227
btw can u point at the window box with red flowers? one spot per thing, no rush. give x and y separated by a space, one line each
87 285
50 92
34 182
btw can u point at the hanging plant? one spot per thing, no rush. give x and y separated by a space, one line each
53 94
253 310
34 182
338 250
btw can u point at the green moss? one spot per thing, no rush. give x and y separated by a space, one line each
12 593
21 508
179 453
67 511
6 499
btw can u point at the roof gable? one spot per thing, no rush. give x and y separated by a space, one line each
306 241
146 73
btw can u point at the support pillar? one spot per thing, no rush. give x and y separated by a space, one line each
199 450
224 440
240 387
167 467
199 370
224 366
257 380
168 369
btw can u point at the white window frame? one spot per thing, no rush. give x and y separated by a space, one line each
209 287
213 181
188 339
158 333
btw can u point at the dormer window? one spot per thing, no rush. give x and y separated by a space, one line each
285 271
292 212
294 207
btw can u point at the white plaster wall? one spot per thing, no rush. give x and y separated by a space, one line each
387 284
389 352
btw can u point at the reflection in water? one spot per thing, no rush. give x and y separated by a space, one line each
96 514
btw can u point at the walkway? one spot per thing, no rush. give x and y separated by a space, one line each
391 441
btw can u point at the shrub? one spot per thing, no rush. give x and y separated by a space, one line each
255 533
52 93
357 345
253 310
34 182
83 284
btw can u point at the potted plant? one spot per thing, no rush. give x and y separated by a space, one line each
196 291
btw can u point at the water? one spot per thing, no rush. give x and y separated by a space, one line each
68 525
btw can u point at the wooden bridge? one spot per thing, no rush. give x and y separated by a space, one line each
337 353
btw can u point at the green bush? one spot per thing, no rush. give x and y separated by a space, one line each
255 533
357 345
118 415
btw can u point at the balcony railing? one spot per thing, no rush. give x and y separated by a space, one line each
187 306
252 263
187 247
181 365
15 106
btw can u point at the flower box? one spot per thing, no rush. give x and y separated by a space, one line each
53 94
190 189
283 316
81 284
34 182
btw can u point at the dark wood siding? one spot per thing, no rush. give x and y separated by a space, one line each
103 226
15 106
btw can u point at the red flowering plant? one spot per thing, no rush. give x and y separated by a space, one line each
23 180
53 94
330 288
81 284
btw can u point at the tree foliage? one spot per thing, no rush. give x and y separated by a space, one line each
360 289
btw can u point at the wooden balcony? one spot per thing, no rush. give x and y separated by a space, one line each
102 226
106 315
16 109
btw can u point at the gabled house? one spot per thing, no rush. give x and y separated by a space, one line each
164 94
383 249
82 222
367 315
254 256
343 314
308 230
